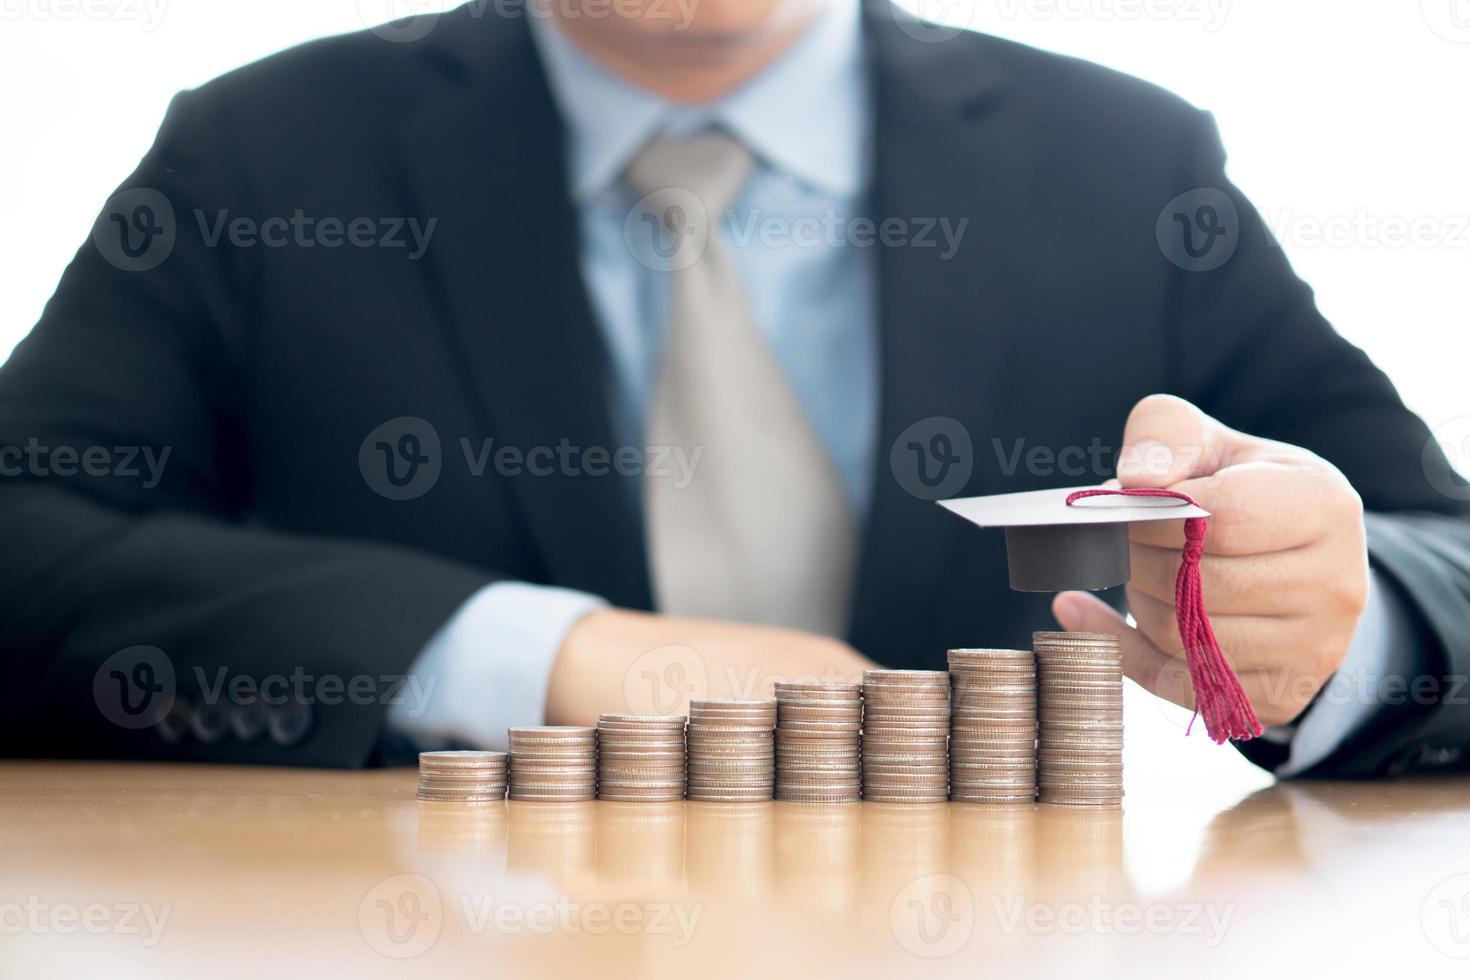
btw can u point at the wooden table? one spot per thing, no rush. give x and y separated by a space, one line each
134 870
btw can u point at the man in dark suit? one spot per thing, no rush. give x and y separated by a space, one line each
474 370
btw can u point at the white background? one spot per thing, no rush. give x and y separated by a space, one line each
1351 113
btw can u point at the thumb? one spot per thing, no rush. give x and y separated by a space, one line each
1168 440
1148 666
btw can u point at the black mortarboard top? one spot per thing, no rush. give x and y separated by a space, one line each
1053 546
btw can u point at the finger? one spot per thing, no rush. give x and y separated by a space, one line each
1250 585
1257 508
1168 440
1151 668
1248 642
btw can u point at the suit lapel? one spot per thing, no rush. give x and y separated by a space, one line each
940 320
483 152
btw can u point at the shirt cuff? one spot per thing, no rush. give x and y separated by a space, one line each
488 667
1382 652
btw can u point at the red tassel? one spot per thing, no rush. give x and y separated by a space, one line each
1218 697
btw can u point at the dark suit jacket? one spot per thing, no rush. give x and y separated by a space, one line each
264 552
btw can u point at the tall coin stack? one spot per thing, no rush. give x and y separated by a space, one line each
818 742
640 758
992 738
1080 706
905 736
731 750
462 777
553 764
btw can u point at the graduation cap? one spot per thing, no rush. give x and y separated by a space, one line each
1077 538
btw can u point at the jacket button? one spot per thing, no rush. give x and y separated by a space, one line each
248 719
172 726
289 722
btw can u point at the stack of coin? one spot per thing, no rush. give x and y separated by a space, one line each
640 758
731 757
905 736
1080 706
818 742
462 777
553 764
992 735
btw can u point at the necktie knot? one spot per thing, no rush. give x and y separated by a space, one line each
712 166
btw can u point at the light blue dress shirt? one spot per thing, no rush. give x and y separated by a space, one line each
811 292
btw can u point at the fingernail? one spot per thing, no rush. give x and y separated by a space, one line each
1147 459
1070 608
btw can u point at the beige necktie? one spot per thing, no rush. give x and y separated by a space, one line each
762 532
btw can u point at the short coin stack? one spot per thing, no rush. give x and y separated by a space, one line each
462 776
1080 704
992 739
818 742
553 764
640 758
905 736
731 757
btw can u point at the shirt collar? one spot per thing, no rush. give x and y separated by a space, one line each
805 115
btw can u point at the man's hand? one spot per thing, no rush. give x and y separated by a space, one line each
1285 570
618 660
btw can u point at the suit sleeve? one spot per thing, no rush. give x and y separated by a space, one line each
141 612
1252 349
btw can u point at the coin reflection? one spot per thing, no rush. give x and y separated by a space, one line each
817 851
554 839
461 828
730 848
640 846
901 841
